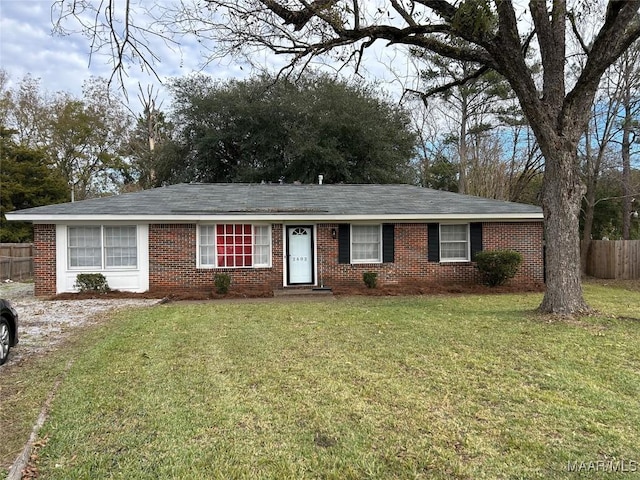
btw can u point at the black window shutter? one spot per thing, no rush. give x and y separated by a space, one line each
476 238
433 233
344 243
388 243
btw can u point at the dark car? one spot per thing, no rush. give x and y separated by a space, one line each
8 329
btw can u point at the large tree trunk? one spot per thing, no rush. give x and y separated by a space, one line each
561 197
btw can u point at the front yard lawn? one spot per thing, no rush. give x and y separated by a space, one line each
410 387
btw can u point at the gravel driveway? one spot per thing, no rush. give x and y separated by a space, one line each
44 324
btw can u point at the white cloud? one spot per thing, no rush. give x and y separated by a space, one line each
63 63
28 47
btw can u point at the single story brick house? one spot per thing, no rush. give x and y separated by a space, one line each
278 236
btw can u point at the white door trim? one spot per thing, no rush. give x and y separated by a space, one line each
288 256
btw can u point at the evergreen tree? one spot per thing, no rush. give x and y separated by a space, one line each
26 180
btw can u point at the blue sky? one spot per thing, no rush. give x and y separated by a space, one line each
63 63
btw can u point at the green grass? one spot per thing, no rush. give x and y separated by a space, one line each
408 387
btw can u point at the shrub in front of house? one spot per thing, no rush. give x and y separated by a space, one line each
498 266
370 279
91 282
222 282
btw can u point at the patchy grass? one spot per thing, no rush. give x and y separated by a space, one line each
23 391
408 387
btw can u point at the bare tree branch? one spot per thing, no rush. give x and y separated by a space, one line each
403 13
356 14
576 32
604 199
442 8
620 30
298 18
448 86
131 44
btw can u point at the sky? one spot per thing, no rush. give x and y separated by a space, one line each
62 63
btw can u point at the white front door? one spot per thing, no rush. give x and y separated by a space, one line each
299 255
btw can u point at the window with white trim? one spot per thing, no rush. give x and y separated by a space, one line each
234 245
261 246
366 242
102 246
454 243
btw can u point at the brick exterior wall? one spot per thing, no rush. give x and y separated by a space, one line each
525 238
411 264
44 260
172 259
173 265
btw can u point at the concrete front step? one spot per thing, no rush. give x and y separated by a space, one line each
284 292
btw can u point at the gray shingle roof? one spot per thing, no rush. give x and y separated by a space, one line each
286 200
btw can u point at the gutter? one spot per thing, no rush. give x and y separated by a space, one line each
276 218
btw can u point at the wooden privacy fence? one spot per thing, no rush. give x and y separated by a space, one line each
619 259
16 261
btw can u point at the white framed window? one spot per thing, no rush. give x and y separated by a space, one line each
120 246
102 247
234 245
207 245
85 247
261 246
366 243
454 242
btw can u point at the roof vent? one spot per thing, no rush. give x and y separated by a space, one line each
320 178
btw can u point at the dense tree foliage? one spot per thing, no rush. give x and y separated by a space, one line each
267 129
85 139
440 174
627 73
26 180
82 138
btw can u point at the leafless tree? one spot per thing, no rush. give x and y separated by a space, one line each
597 145
627 71
613 125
